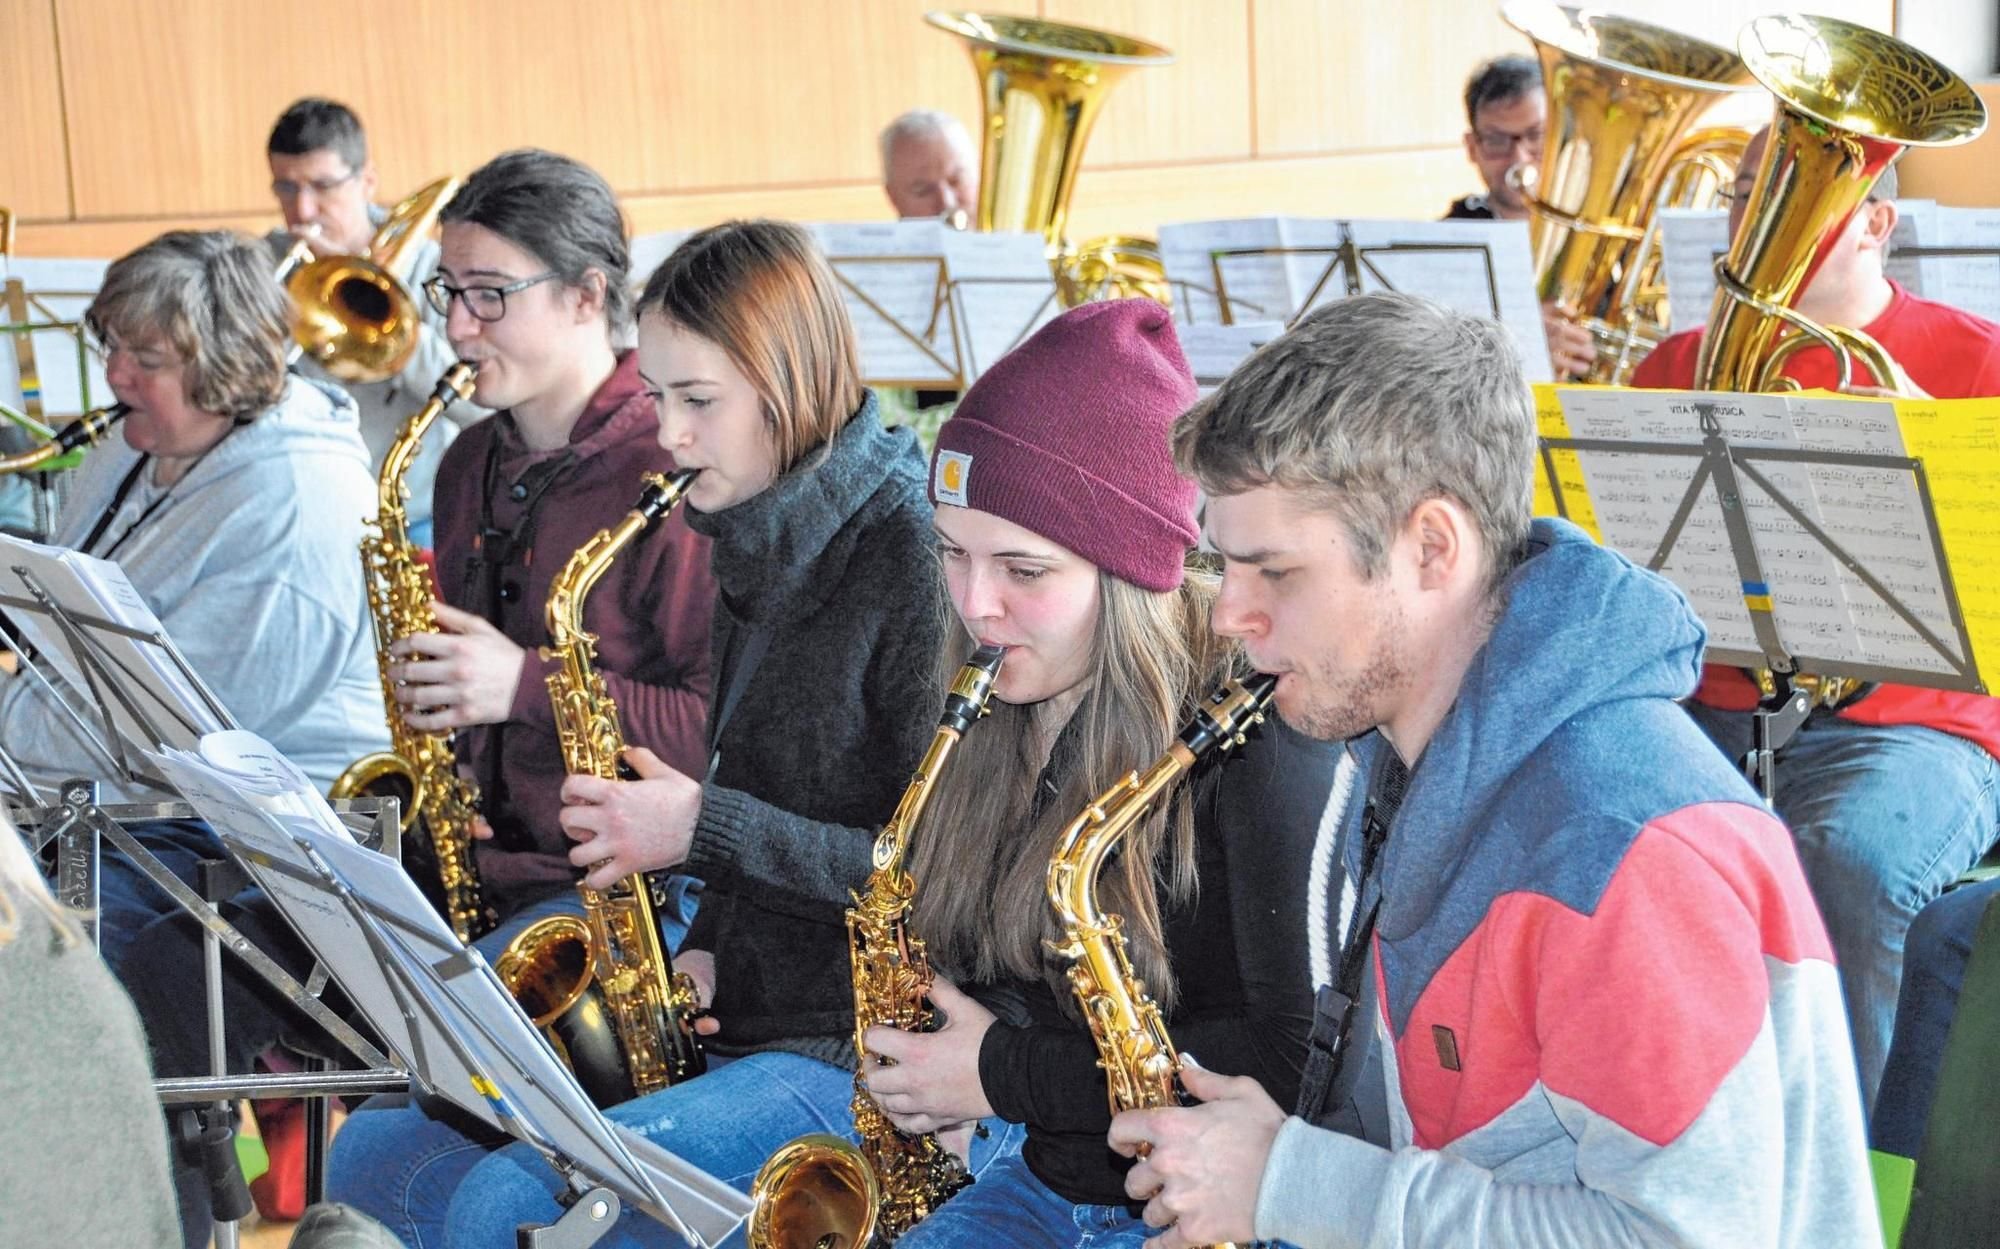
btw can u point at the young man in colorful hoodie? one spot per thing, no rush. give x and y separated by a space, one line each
1606 1005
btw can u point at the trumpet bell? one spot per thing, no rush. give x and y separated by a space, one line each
817 1192
355 319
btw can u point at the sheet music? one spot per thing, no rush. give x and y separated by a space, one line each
1259 287
1479 267
1971 283
892 280
99 587
69 378
1823 611
1214 351
1691 241
1876 515
491 1063
1002 290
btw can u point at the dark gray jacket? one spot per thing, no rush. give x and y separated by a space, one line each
836 559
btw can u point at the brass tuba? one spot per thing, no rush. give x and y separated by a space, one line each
601 988
1622 95
1042 85
358 317
1849 100
819 1191
1141 1066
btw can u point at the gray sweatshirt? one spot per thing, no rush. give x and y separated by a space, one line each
253 564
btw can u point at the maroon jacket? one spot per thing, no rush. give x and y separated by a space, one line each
651 612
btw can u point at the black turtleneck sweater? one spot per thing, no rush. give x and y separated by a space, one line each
835 560
1238 952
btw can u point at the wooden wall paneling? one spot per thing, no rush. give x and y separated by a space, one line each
657 96
1967 176
1197 108
1358 75
33 149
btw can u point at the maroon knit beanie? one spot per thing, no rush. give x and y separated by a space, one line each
1069 435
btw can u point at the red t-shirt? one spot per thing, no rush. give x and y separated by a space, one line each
1952 355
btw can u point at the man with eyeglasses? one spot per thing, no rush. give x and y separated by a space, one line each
1506 111
325 185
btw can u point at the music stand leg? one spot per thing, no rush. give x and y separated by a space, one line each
589 1217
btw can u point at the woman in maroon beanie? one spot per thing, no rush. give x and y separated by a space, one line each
1064 532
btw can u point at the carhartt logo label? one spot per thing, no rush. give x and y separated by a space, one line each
954 469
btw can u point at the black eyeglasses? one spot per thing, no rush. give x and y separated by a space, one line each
1501 142
288 190
485 303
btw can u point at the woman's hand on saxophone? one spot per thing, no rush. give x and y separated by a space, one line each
464 675
622 827
927 1081
700 968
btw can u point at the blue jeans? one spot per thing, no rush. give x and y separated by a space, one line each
1934 959
1884 818
727 1122
1009 1206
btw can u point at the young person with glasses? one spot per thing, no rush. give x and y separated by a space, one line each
325 185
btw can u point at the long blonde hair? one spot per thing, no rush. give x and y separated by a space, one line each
982 850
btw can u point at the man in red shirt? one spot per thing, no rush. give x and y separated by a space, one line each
1891 797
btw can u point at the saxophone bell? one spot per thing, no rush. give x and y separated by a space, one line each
601 986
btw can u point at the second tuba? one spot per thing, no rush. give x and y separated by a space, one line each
1623 96
1041 86
1849 101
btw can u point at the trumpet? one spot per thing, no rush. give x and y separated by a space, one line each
357 316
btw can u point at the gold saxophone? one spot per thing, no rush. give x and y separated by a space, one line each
634 1033
1141 1067
418 767
819 1191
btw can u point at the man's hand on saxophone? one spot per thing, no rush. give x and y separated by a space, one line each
623 827
465 675
929 1081
1202 1164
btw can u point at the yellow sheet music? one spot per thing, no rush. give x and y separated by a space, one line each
1958 441
1549 423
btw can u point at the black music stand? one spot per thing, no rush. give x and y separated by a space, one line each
1734 471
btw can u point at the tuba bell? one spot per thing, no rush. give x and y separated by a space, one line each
1042 85
1623 96
1849 101
358 317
